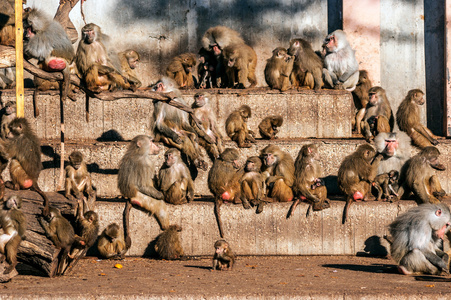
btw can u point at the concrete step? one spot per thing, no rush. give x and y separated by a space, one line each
103 159
306 113
268 233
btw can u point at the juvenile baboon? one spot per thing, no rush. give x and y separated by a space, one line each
168 245
355 174
416 239
171 125
341 68
60 232
278 69
129 62
253 187
223 259
278 171
387 185
223 181
268 127
8 115
307 69
307 183
240 61
96 61
418 177
180 69
236 127
378 110
174 179
78 181
361 98
135 180
408 119
204 113
14 225
111 244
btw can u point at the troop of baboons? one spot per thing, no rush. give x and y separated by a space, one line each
381 169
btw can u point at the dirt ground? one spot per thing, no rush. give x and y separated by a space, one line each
253 277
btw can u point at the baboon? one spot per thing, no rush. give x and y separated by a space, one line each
268 127
14 225
360 96
307 183
307 69
395 150
129 62
174 179
416 239
168 245
278 69
278 171
253 187
180 69
408 119
387 185
341 68
236 127
355 174
418 177
378 111
223 259
8 115
240 61
111 244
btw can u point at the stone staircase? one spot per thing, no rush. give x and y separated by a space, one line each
321 117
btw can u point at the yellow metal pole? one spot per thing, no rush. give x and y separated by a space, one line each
19 59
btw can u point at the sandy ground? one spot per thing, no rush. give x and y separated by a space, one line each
344 277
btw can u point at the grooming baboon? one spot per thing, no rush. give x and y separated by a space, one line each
355 174
60 232
240 61
14 225
307 69
416 239
180 69
223 259
268 127
174 179
171 125
307 172
236 127
278 171
168 245
223 181
408 119
204 113
278 69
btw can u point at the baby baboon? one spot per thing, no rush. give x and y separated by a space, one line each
223 259
168 245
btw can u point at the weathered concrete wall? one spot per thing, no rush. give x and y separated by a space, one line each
103 160
322 114
268 233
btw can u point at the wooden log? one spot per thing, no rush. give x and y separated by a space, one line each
7 57
37 250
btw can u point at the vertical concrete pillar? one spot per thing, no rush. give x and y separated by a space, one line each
362 23
447 112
